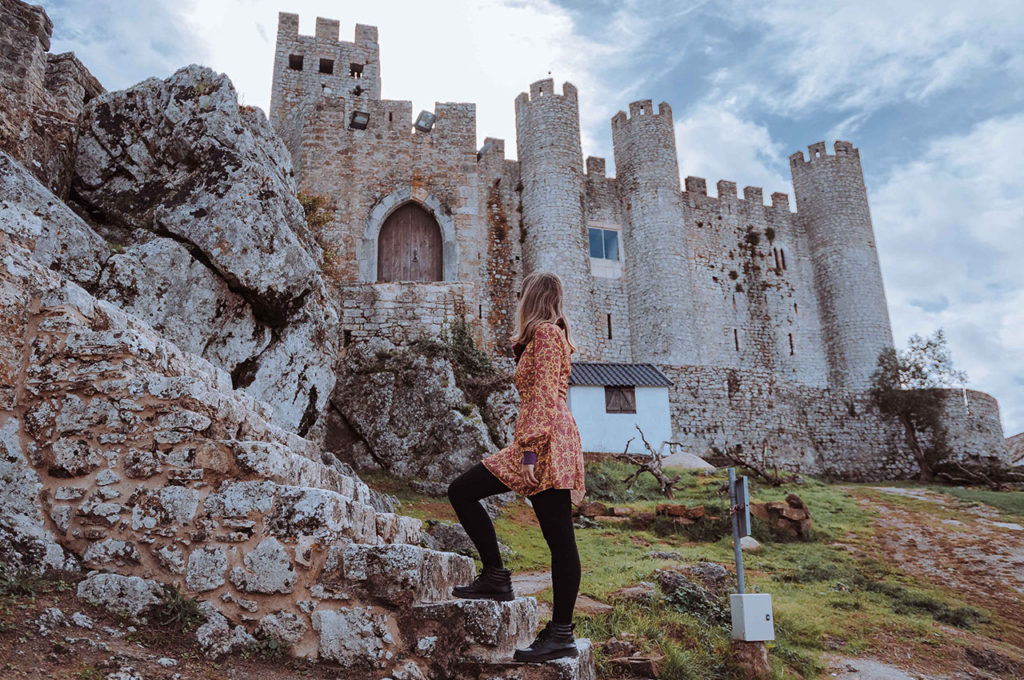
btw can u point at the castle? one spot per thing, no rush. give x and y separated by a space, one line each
768 321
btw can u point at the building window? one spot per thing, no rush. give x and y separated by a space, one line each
609 326
783 254
604 243
327 66
790 344
620 399
295 62
355 70
736 339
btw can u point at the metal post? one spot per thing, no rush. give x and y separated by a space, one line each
734 509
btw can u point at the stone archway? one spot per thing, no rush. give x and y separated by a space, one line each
367 246
409 246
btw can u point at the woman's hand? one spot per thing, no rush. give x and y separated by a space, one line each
528 476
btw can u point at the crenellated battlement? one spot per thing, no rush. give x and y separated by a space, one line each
545 90
818 150
727 191
596 167
326 31
642 109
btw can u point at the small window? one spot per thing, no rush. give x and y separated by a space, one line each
295 62
327 66
355 70
736 339
604 243
620 399
790 344
783 254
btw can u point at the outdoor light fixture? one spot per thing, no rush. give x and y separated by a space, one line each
359 120
424 121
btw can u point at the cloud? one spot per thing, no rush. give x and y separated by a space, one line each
949 232
124 41
863 56
715 143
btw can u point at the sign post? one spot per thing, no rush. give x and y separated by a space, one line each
751 612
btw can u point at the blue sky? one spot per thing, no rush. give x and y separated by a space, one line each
932 92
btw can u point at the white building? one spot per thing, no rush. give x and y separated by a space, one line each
608 401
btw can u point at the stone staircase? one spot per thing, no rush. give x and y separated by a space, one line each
142 464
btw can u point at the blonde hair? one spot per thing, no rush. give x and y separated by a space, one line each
540 302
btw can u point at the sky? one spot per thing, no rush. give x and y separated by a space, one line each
930 91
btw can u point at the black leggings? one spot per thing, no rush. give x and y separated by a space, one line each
554 512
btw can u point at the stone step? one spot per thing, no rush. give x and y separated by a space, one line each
314 515
474 631
580 667
397 574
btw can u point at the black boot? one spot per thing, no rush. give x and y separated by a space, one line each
554 642
492 583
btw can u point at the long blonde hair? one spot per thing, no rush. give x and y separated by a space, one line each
540 302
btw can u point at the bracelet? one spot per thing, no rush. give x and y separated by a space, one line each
529 458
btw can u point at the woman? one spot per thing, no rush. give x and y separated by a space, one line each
544 462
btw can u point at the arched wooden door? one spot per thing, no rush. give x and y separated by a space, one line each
409 247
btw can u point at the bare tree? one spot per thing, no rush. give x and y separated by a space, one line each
652 462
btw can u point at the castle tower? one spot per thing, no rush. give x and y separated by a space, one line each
659 283
832 206
308 68
555 235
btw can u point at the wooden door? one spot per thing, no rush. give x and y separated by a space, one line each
409 247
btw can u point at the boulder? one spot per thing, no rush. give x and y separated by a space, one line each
218 255
57 238
414 420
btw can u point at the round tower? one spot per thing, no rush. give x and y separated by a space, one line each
832 208
554 231
659 281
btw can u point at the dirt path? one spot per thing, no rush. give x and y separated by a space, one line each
969 549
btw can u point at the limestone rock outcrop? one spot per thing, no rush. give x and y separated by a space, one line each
404 413
212 247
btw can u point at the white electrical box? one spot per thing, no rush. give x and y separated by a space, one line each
752 617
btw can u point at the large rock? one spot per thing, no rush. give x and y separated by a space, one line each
233 274
412 418
129 596
57 237
25 542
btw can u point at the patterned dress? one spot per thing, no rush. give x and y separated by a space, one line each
545 424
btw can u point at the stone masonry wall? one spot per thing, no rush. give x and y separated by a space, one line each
752 285
41 95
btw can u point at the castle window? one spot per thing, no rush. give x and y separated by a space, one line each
604 243
783 254
778 263
355 70
295 62
609 326
796 310
736 339
790 344
620 399
327 66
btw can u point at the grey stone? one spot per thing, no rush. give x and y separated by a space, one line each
268 569
284 627
353 637
129 596
206 567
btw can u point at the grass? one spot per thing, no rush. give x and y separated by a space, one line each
834 589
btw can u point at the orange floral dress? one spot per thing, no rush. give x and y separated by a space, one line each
545 424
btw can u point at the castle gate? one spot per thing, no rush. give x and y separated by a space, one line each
409 247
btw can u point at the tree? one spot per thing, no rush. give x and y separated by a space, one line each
904 387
